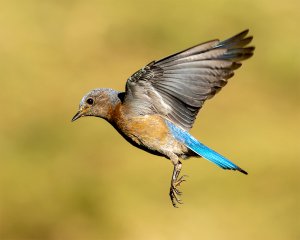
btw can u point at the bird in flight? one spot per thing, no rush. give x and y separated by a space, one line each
161 102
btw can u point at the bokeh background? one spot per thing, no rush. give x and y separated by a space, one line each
61 180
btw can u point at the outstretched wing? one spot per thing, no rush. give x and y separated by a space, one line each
177 86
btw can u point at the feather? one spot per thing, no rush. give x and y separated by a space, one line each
177 86
202 150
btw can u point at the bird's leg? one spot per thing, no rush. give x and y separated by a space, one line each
176 181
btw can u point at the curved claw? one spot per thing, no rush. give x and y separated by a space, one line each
178 192
175 182
180 180
175 192
174 198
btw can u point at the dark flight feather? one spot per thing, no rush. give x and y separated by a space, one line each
177 86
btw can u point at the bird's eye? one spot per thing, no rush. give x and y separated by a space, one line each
90 101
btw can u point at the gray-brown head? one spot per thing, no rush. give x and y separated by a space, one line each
98 103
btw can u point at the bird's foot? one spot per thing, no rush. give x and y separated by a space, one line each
175 192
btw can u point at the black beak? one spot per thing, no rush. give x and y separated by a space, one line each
77 115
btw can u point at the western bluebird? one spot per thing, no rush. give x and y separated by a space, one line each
162 100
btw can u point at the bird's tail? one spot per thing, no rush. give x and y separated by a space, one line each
202 150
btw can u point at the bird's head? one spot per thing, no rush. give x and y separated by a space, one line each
97 103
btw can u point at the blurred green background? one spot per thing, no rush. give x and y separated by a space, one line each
61 180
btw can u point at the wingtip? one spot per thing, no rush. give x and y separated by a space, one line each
246 31
243 33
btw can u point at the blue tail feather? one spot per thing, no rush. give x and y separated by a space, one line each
203 151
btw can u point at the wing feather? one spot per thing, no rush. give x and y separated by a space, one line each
177 86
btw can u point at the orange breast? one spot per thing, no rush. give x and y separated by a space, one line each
147 130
